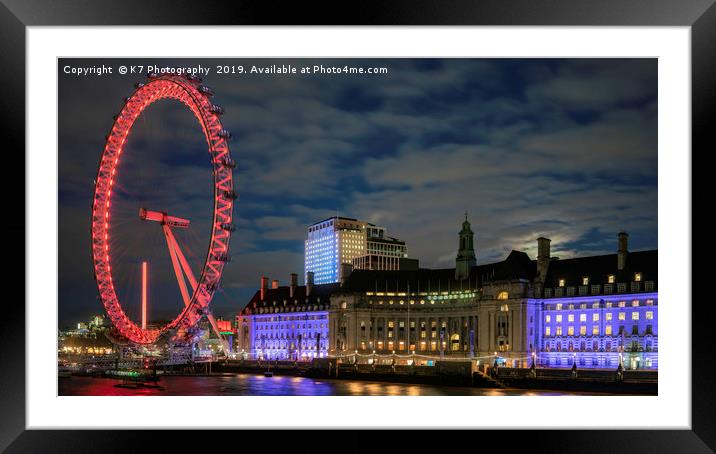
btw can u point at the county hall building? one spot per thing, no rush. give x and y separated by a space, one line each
597 312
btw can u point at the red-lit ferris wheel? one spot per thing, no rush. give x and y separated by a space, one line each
198 294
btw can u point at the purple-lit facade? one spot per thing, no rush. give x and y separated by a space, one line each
285 323
600 331
599 311
287 336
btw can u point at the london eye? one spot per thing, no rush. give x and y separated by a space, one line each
196 292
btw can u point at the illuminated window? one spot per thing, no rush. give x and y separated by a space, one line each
649 315
649 302
622 316
547 331
635 315
637 277
582 317
571 307
610 279
559 306
570 331
548 318
635 303
570 318
559 331
608 304
503 295
585 280
559 318
622 304
595 317
608 330
561 282
595 330
582 330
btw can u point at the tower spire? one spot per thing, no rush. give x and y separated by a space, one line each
466 253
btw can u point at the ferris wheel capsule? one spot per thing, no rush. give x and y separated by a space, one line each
206 90
231 195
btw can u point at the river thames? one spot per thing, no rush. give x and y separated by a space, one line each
258 385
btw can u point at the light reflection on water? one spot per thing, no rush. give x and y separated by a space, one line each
259 385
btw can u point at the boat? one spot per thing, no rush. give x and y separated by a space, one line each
268 373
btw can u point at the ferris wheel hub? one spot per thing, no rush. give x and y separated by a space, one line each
163 218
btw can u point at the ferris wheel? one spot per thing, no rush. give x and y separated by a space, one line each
199 292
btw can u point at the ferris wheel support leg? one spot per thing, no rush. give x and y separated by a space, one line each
177 254
177 267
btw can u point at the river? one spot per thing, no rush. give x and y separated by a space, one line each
258 385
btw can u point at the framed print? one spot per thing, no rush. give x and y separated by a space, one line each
408 218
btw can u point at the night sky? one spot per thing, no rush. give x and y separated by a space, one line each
564 148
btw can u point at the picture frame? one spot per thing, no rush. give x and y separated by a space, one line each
700 16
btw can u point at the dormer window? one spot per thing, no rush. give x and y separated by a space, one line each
610 278
637 277
561 282
585 280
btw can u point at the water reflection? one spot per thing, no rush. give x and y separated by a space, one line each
259 385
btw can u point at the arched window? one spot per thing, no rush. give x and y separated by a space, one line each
503 295
455 342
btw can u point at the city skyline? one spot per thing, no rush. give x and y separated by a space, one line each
560 148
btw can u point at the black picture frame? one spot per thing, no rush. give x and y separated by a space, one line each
699 15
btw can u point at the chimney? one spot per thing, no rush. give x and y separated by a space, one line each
264 287
622 252
309 282
543 251
294 284
274 284
346 270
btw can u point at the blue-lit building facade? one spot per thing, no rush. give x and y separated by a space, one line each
285 322
598 311
600 332
339 240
